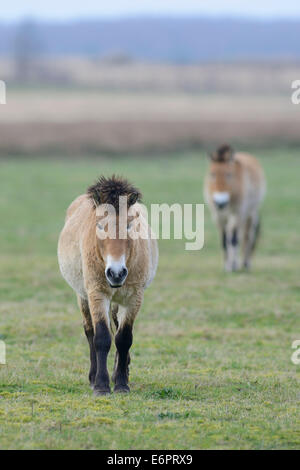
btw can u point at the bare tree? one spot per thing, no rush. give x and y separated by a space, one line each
27 51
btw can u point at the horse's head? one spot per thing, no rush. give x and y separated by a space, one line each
113 197
221 176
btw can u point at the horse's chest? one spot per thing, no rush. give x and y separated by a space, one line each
123 295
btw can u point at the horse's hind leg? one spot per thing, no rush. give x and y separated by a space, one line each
115 310
89 332
224 241
113 377
251 236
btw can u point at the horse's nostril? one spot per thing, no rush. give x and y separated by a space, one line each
116 277
123 273
221 205
110 273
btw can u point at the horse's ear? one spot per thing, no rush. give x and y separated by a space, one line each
229 154
133 198
223 154
226 153
95 195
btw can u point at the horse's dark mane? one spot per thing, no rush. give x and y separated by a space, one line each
223 154
108 191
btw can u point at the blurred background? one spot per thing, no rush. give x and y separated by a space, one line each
151 76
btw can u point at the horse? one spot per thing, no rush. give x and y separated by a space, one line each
234 190
108 271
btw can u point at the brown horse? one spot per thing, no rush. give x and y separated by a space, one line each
234 189
108 273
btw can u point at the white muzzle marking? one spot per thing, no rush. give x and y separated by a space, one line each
115 264
116 271
221 198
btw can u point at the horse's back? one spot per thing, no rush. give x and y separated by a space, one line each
78 203
146 247
153 260
254 185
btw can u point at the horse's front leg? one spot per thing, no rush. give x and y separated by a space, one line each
232 236
123 341
89 332
99 306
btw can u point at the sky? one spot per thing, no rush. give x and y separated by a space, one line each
58 9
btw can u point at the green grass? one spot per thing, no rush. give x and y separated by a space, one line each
211 363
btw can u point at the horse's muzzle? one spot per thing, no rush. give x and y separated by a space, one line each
221 200
116 279
221 205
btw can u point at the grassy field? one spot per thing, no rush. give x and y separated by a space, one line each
211 360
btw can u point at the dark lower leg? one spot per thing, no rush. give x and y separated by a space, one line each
234 239
224 245
113 377
232 249
93 369
123 344
234 243
102 343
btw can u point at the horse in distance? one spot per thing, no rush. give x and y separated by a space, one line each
234 189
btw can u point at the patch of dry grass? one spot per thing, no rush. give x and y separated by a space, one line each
70 122
97 107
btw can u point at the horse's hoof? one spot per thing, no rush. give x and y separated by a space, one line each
247 267
121 389
101 392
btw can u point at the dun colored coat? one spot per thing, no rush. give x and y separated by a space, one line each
109 275
234 189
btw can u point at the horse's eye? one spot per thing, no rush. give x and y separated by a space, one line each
100 227
129 226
